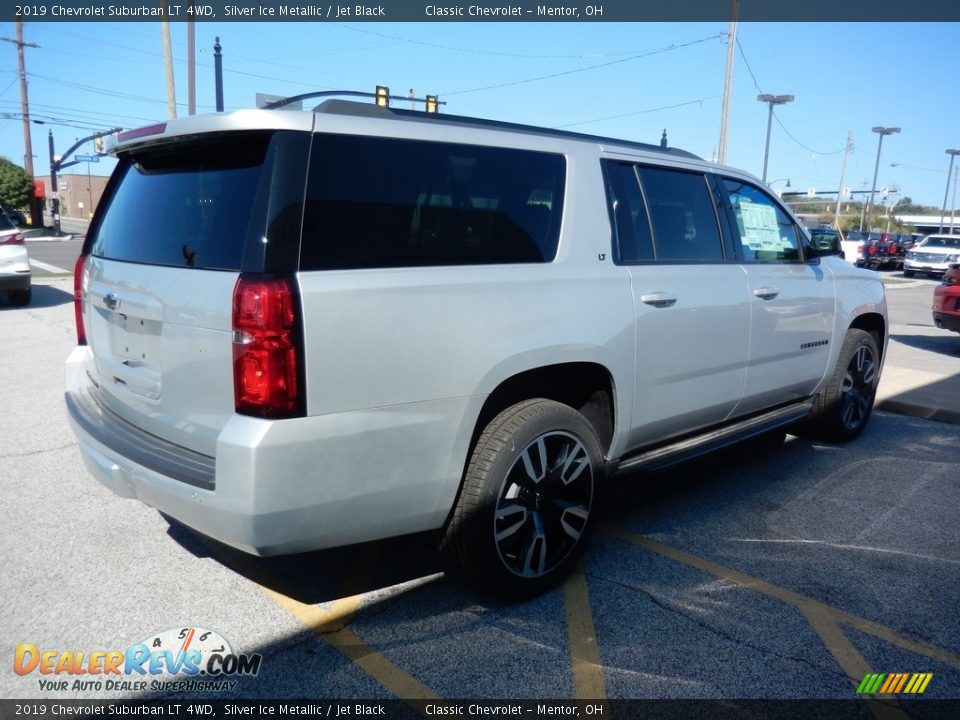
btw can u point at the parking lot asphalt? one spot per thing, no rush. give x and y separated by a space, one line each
769 571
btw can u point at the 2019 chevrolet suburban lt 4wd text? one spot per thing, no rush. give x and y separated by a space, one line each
300 330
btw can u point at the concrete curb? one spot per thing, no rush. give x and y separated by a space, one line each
918 393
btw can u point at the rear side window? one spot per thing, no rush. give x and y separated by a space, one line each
634 241
188 204
378 202
682 214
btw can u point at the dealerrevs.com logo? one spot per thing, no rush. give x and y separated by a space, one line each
178 659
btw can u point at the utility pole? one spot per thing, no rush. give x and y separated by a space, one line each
191 62
54 199
728 81
36 218
843 174
218 73
168 60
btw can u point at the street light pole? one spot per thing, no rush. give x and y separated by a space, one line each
771 100
881 131
943 211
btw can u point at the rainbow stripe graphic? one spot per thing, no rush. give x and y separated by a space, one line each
894 683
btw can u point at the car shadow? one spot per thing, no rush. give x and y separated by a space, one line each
946 344
323 575
42 296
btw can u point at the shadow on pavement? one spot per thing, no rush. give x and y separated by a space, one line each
946 344
324 575
43 296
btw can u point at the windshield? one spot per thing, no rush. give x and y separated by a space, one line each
941 242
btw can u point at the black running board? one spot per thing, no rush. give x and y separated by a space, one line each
692 447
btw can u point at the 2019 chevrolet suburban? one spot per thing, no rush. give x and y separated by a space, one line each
299 330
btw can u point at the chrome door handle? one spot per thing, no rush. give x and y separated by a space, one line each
766 293
658 299
111 301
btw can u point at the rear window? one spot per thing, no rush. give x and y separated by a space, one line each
5 222
187 204
378 202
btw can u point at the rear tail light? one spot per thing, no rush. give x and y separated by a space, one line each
859 248
15 239
892 249
872 250
267 357
79 291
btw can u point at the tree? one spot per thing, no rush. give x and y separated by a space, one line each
906 206
16 186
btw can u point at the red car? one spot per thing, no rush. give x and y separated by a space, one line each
946 300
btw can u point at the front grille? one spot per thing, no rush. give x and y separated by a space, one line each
926 257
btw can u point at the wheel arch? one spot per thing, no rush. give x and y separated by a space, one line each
874 324
587 387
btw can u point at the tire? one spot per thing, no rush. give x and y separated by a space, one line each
843 407
21 297
908 273
529 501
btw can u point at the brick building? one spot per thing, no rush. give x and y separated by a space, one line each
79 193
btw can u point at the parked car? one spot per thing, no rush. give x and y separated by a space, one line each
946 300
377 322
869 253
932 255
827 242
15 274
897 246
18 217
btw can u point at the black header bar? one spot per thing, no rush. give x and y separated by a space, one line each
483 11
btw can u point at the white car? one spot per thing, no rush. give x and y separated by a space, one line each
14 263
298 330
932 255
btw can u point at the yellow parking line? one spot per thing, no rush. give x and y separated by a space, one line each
330 625
805 604
585 662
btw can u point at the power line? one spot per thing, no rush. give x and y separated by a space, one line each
699 101
783 127
649 53
478 51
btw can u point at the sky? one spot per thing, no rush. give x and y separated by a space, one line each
623 80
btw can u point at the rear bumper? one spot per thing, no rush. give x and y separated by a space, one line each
15 281
286 486
947 321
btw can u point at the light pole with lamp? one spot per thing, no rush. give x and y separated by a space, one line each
881 131
943 212
778 192
771 100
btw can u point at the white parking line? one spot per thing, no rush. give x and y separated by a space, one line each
48 267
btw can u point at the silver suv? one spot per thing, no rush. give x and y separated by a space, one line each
299 330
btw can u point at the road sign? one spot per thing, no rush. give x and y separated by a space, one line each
87 158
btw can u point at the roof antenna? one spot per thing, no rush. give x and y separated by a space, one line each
663 139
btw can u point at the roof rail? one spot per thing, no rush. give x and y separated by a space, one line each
382 96
346 107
